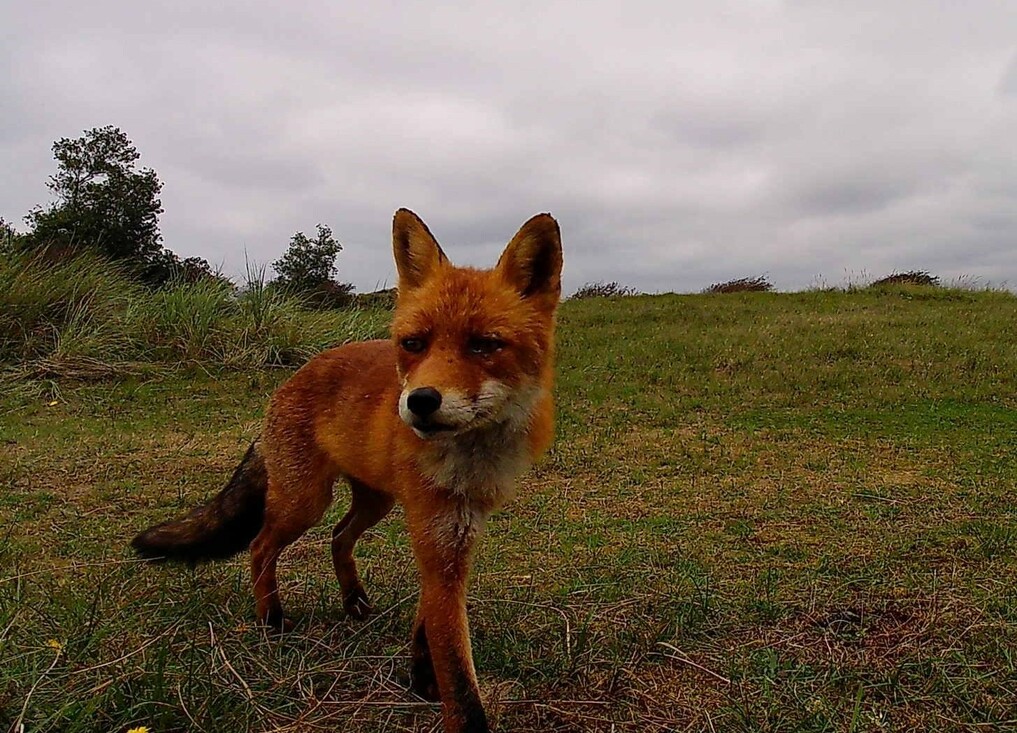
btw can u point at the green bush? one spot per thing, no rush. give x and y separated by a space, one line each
603 290
742 285
911 277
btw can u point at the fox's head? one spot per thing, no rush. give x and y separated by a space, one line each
474 346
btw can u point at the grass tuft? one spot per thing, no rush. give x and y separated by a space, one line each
86 318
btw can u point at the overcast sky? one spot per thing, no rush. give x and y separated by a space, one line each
678 143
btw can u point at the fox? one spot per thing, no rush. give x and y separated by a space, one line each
443 417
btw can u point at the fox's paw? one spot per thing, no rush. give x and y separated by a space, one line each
357 604
278 624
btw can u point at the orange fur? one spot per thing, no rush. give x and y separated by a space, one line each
488 349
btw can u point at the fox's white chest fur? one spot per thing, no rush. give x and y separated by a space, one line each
481 466
480 469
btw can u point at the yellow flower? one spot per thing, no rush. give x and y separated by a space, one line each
139 729
54 644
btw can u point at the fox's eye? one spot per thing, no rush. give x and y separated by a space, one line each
413 345
484 345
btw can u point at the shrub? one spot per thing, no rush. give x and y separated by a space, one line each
378 299
603 290
911 277
327 295
743 285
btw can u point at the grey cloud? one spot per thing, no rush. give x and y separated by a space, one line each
1008 83
677 143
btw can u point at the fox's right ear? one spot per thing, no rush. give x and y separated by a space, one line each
417 253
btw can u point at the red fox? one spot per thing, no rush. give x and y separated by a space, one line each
442 418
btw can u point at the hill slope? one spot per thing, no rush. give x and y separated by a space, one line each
764 512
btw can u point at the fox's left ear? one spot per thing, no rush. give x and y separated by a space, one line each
532 261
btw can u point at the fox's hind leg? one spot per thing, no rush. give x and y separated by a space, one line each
367 509
291 508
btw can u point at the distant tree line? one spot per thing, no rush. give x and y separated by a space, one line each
104 202
760 284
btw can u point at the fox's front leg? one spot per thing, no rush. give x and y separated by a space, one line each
442 659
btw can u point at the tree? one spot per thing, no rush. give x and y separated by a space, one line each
308 264
308 268
102 201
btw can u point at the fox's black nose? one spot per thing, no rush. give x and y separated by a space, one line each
423 401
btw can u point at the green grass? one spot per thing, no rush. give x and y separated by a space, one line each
86 318
763 512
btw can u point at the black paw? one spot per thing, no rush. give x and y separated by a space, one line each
357 605
278 624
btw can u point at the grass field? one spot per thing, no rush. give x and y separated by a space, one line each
763 512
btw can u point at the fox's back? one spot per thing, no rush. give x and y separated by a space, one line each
341 408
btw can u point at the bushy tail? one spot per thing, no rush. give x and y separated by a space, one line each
219 529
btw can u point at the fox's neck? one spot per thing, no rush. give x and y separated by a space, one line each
482 465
